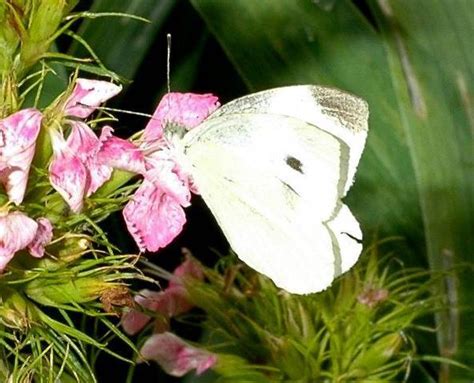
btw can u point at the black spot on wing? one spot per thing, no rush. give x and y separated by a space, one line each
294 163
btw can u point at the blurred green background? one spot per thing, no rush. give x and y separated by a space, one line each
410 59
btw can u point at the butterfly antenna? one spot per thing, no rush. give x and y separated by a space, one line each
168 59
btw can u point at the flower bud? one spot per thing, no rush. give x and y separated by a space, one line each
9 35
43 22
377 354
70 248
175 356
14 310
66 289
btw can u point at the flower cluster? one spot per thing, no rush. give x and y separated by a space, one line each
83 161
169 302
18 134
172 353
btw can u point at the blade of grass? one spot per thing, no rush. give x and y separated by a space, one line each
428 65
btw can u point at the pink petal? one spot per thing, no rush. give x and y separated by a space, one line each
18 134
174 301
372 296
133 320
43 236
186 109
164 172
88 95
98 175
153 218
119 153
188 269
175 356
170 302
83 142
17 231
67 173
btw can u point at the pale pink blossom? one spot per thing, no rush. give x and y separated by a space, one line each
18 134
67 173
133 320
170 302
155 215
187 269
175 356
17 231
76 170
43 236
87 95
85 144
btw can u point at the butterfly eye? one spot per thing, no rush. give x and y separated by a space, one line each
295 164
174 130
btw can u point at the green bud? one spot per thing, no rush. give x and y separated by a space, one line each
15 311
44 20
10 33
376 355
61 253
286 356
8 94
70 248
237 369
66 289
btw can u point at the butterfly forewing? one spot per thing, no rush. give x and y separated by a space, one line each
339 113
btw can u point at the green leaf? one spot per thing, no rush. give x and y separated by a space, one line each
54 82
432 71
121 43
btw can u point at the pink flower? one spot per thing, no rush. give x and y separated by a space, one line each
188 269
372 296
175 356
133 321
170 302
18 134
85 144
87 95
185 109
67 173
18 231
155 215
119 153
76 170
43 236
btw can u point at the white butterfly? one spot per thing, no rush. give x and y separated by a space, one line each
273 167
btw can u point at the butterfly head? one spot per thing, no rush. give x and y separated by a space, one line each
174 131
